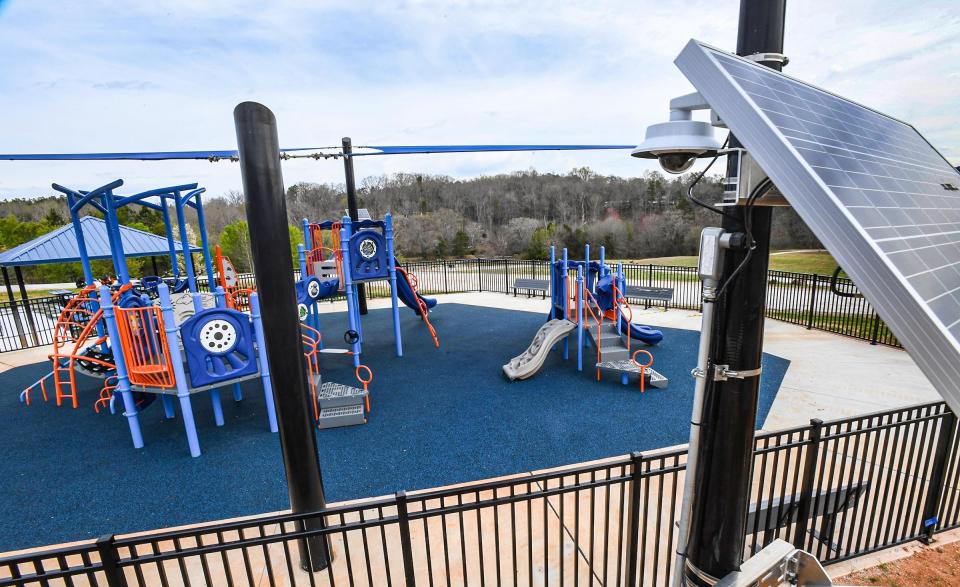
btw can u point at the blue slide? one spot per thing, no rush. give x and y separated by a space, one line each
644 334
406 294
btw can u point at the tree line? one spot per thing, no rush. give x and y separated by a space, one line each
516 214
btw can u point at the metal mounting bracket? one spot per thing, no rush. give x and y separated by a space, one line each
723 372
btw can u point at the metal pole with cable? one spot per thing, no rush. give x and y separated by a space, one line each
725 453
273 265
352 210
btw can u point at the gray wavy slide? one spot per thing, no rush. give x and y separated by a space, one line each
532 359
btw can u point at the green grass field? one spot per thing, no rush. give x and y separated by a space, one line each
797 261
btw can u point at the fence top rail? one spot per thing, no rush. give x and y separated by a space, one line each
253 522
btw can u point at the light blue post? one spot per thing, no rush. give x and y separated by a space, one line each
603 255
167 405
123 381
81 242
174 267
566 296
170 328
580 288
553 286
262 357
84 261
352 313
586 266
616 306
185 245
219 297
307 242
348 225
116 244
302 259
393 284
204 241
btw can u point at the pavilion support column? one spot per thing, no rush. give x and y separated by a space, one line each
18 324
26 306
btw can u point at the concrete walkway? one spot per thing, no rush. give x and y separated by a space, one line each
830 376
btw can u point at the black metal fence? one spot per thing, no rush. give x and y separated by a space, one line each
799 298
838 489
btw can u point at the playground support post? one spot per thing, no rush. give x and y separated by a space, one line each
259 152
392 269
719 513
352 210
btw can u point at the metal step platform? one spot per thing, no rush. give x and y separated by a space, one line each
336 395
341 416
654 378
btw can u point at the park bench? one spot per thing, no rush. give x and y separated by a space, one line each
650 294
531 286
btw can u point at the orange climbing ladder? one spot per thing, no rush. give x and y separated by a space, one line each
75 342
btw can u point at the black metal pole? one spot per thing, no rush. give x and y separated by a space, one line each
153 262
13 308
31 323
352 210
273 265
718 524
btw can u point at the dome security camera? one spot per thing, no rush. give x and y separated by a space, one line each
676 144
676 162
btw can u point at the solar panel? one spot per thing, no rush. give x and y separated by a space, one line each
884 202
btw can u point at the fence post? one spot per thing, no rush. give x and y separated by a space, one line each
479 276
806 485
404 521
633 522
948 426
506 276
876 328
813 301
446 287
108 560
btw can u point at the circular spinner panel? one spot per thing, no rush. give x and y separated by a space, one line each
218 336
368 248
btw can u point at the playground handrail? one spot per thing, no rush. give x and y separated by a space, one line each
412 280
588 296
620 301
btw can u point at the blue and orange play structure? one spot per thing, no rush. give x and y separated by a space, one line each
588 297
338 256
160 337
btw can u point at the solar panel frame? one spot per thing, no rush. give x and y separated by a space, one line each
852 237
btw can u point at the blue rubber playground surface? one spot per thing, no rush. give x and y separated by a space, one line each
440 416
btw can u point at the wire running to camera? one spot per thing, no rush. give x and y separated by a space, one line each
760 189
700 176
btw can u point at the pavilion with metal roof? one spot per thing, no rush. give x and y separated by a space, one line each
60 246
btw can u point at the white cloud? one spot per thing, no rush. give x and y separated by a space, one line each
103 76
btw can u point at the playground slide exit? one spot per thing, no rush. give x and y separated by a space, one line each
532 359
408 296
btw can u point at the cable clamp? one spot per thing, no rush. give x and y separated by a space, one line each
698 373
723 372
780 58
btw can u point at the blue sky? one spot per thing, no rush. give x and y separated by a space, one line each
128 76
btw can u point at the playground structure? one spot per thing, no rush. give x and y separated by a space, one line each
333 264
173 341
356 252
586 296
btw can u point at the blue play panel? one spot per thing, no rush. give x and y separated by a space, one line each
440 416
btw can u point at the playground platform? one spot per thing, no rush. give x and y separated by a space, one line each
440 417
